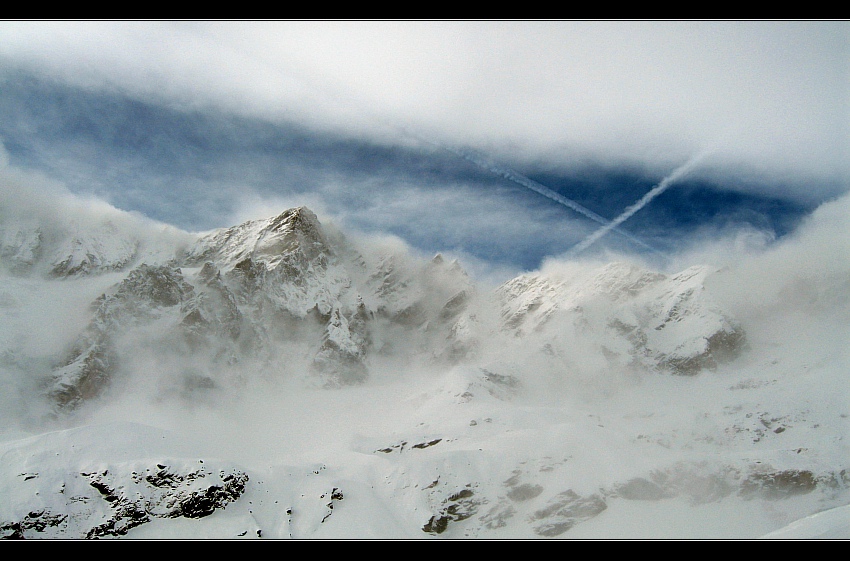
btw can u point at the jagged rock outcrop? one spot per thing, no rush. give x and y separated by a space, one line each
341 358
86 374
212 309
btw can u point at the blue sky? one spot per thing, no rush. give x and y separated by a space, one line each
204 124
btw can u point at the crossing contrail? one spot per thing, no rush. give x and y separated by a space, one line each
674 176
528 183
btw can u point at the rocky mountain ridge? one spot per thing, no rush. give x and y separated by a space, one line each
284 289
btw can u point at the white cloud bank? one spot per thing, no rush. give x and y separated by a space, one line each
769 97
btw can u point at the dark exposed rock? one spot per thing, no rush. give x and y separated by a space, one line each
212 308
458 506
340 360
524 492
437 524
335 495
33 522
498 515
112 501
779 484
565 510
389 449
427 444
721 346
84 376
725 346
158 286
642 489
203 503
93 360
164 494
126 516
455 305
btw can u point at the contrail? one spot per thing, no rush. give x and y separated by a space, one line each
511 175
676 174
528 183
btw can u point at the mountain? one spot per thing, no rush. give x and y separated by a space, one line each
280 379
660 321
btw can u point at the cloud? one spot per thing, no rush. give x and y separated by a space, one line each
662 186
808 273
506 226
770 97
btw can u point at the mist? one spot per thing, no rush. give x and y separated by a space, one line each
777 289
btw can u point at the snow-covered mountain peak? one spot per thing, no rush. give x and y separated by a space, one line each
294 229
370 392
266 241
251 290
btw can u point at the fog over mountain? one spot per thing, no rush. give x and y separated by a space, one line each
424 280
281 378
